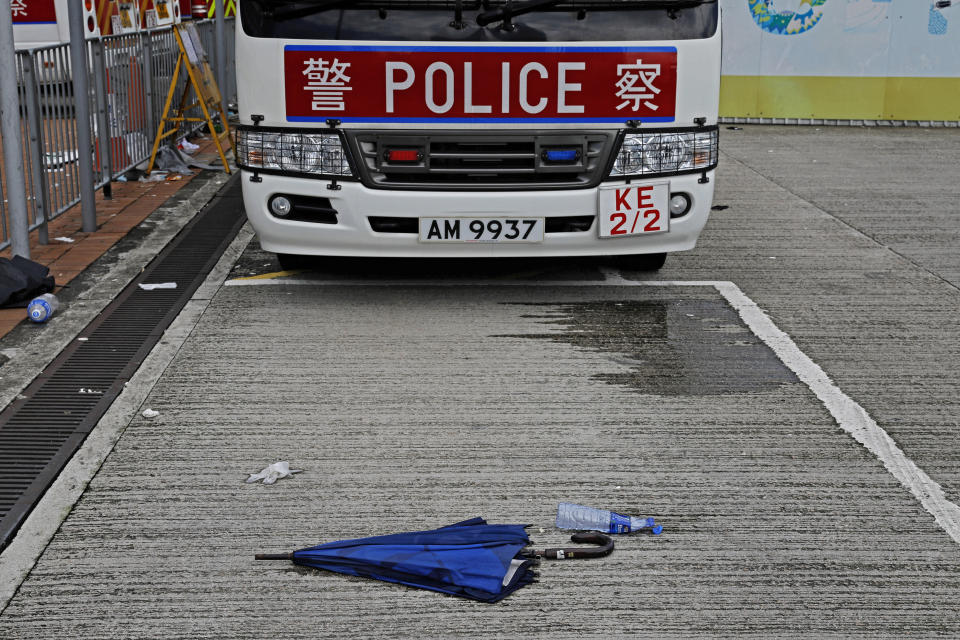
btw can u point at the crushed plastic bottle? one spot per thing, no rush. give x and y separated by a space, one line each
576 516
42 307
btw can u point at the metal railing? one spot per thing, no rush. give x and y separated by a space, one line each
129 77
3 208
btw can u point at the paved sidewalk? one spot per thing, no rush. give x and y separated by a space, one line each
131 204
415 403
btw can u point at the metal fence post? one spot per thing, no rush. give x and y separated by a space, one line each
147 60
81 94
104 126
3 214
232 56
221 47
41 198
10 132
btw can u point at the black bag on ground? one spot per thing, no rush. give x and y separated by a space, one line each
22 280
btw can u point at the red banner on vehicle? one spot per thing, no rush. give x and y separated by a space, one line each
34 11
474 84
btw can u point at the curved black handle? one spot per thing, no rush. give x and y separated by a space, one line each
571 553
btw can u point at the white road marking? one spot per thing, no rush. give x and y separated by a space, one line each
849 415
18 558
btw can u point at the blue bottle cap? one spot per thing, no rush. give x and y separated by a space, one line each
39 310
657 529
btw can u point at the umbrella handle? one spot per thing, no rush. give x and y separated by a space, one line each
273 556
569 553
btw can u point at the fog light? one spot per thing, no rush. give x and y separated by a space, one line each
281 206
679 205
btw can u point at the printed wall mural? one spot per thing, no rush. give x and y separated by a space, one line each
792 17
786 17
876 59
938 22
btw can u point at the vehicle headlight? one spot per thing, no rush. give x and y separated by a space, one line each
316 153
665 152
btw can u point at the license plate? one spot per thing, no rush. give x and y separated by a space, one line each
481 229
633 210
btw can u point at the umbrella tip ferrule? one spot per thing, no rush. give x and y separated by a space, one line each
273 556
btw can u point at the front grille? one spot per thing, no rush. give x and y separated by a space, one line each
471 161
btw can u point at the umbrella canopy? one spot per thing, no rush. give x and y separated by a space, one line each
471 559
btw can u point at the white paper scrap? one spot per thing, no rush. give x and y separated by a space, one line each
158 285
274 472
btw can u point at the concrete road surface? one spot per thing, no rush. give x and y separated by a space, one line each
782 399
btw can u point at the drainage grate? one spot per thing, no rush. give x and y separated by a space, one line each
40 433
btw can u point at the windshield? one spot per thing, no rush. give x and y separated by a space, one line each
440 20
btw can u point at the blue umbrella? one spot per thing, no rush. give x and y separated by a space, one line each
470 559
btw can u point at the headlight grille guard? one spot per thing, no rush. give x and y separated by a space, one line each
656 153
318 154
660 153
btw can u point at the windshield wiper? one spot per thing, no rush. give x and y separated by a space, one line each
510 9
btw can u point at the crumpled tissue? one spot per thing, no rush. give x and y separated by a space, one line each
274 472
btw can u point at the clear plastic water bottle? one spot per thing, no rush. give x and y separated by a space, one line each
42 307
576 516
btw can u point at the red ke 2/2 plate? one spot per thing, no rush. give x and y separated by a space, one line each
631 209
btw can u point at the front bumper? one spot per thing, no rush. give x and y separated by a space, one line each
353 235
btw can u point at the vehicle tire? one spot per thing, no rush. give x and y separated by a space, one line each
642 261
293 261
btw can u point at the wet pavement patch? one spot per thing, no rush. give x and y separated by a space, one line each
672 347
